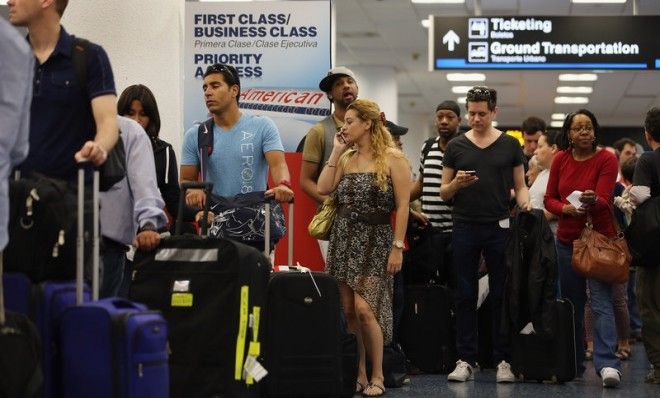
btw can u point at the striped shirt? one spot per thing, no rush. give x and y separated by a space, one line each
437 210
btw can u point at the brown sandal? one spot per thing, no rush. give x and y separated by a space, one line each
359 387
623 354
378 393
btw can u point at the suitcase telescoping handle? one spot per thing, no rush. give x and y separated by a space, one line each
207 187
289 231
2 295
80 240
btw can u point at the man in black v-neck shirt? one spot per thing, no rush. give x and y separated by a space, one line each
479 170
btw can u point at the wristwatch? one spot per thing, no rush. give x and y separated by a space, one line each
397 244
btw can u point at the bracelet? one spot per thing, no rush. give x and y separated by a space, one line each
330 165
285 182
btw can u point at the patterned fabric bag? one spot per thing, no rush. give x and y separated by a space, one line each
243 218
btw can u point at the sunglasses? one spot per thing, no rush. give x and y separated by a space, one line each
220 68
479 93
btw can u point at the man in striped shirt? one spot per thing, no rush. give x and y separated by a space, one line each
435 211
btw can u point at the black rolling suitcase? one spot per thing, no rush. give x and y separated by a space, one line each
211 292
304 333
547 358
302 342
20 352
427 328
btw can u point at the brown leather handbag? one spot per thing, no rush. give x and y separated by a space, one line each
596 256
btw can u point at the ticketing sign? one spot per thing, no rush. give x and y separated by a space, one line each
524 42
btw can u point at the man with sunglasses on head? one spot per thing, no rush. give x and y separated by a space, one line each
245 146
479 170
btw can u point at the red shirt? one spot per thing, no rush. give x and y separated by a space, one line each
598 174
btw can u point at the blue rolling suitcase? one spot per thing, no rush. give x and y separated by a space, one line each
45 304
111 347
52 299
114 348
20 370
17 293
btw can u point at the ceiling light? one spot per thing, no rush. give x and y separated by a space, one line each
571 100
466 77
556 123
578 77
461 100
598 1
558 116
437 1
574 90
460 89
426 23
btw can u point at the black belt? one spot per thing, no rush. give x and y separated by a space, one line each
368 218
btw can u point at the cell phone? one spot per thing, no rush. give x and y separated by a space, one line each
471 172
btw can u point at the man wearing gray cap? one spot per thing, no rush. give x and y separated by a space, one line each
341 89
435 210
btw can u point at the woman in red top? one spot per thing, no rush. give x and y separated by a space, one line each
592 172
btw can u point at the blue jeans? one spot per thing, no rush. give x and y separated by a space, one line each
113 270
469 241
633 310
574 288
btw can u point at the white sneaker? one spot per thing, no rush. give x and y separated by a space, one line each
611 377
504 373
462 372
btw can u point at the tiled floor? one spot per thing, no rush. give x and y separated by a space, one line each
632 385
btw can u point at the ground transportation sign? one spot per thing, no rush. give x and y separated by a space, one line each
538 42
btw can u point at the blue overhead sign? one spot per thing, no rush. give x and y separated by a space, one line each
523 42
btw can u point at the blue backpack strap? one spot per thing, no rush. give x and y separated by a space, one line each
205 144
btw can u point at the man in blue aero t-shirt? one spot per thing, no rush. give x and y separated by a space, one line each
244 146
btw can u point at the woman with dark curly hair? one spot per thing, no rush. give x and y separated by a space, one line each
592 172
138 103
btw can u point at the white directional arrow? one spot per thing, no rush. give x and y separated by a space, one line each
451 39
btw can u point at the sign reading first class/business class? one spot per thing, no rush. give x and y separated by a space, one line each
524 42
280 52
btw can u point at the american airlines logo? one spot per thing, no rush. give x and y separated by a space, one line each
299 102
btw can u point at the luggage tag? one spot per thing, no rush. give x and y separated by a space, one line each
181 296
528 329
254 369
300 268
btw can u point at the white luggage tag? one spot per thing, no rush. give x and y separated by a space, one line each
253 368
301 269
